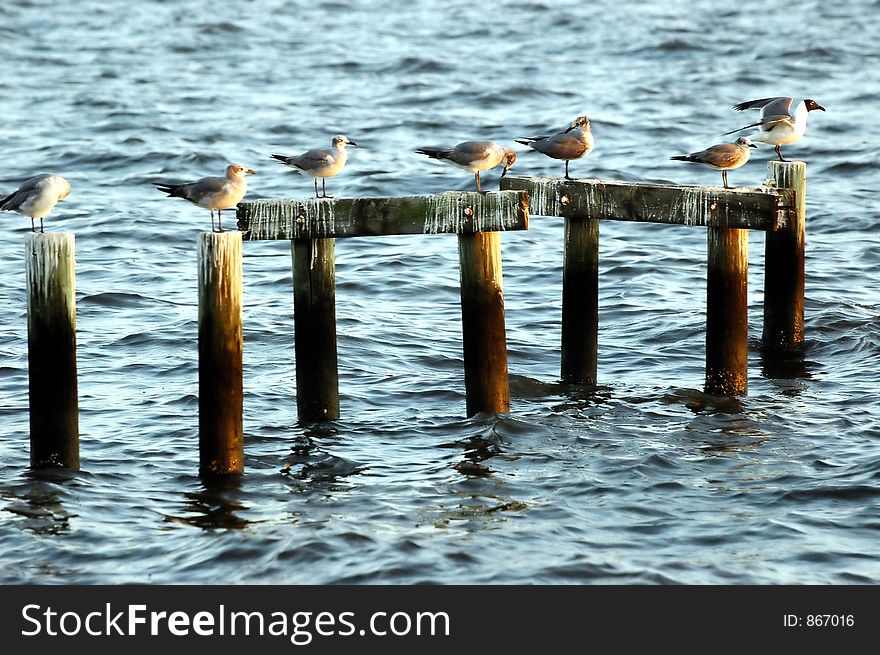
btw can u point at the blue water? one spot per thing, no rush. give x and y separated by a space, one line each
644 481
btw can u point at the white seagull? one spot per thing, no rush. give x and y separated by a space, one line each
575 142
320 163
37 196
474 156
783 120
723 157
213 192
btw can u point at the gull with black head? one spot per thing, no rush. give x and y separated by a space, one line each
783 120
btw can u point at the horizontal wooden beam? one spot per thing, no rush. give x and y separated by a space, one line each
445 213
704 206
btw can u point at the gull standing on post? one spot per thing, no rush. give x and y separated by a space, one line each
783 120
320 163
474 156
574 143
723 157
213 192
37 196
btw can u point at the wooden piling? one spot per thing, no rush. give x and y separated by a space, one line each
482 317
314 314
221 439
51 319
727 321
784 266
580 301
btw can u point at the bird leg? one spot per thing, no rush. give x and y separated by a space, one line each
33 229
724 177
41 225
220 220
477 178
566 170
316 188
324 187
778 150
212 221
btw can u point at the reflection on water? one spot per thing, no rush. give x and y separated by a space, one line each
787 371
310 464
218 505
40 501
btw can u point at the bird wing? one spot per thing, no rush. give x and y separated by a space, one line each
779 107
766 123
27 190
722 156
561 146
312 159
765 103
205 187
469 153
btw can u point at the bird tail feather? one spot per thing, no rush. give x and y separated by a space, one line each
433 153
173 190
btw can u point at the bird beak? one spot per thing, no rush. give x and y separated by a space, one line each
504 172
818 106
250 172
752 145
352 143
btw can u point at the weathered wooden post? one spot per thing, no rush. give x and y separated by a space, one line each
727 323
51 318
221 440
580 301
784 266
314 308
482 319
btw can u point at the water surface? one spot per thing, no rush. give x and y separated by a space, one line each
644 481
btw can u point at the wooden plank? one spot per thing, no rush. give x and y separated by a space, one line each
702 206
446 213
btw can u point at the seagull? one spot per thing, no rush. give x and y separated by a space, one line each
474 156
320 163
37 196
575 142
723 157
213 192
783 121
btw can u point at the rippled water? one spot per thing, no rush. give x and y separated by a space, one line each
644 481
